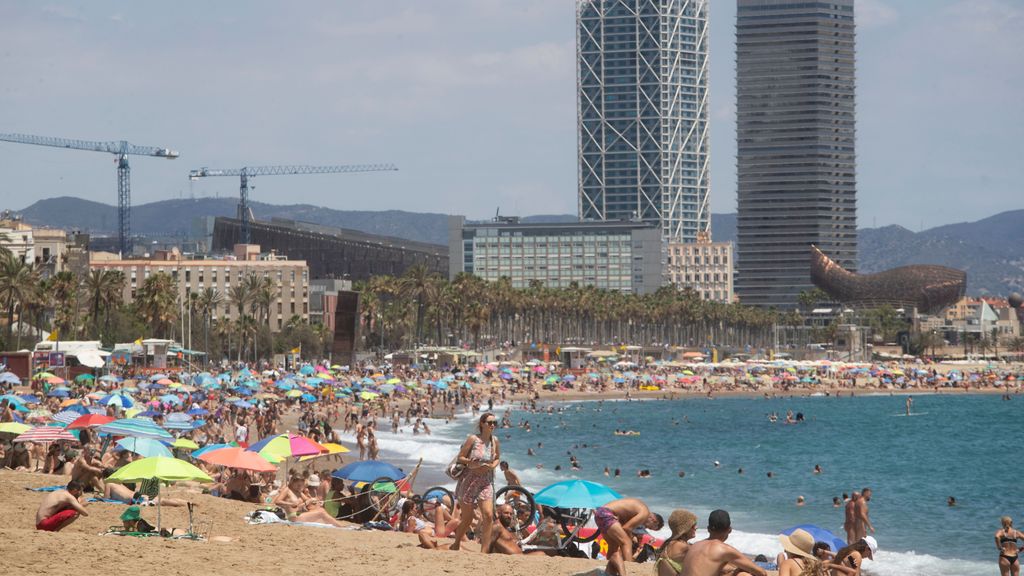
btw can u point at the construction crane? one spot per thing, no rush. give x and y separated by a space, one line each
121 150
244 213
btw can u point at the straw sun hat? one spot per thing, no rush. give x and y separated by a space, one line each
680 522
799 543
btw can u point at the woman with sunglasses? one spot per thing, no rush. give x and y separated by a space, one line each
480 454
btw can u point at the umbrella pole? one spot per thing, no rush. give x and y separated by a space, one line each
159 505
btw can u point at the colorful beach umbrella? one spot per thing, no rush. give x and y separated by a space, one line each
184 444
332 448
239 458
87 420
14 428
287 446
45 434
576 494
136 427
159 468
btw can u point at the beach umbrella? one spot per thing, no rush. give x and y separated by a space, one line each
60 392
65 417
307 398
39 414
29 398
44 434
170 399
307 370
145 447
293 394
110 378
9 378
198 412
159 468
84 378
184 444
287 445
331 447
368 471
209 447
121 400
14 428
237 457
243 404
576 494
819 534
137 428
86 420
43 376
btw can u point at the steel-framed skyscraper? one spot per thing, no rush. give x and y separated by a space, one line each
795 132
642 88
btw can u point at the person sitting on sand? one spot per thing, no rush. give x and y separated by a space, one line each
800 558
299 509
60 508
854 554
683 524
87 470
616 521
709 557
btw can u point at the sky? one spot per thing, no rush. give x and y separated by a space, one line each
473 100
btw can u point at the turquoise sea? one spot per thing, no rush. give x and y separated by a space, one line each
962 446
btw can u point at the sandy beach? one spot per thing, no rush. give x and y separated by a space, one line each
234 547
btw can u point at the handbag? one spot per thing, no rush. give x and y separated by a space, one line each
454 470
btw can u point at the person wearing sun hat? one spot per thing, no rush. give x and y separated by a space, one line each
800 559
683 524
853 555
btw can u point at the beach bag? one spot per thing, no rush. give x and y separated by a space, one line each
454 470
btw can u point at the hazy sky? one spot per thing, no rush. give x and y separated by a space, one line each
474 100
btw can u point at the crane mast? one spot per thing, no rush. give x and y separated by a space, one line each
121 150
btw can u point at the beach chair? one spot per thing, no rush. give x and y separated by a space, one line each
558 534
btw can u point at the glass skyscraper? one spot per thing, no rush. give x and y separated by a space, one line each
795 132
642 87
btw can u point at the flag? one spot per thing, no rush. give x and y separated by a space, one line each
297 350
54 336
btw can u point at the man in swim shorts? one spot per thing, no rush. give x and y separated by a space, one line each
616 521
60 508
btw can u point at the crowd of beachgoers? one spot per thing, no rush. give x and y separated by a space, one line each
273 438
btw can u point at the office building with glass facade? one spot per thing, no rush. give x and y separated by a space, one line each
795 131
642 87
622 256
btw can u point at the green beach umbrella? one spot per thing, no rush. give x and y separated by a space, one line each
185 443
159 468
84 378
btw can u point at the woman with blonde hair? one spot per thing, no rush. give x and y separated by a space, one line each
1006 542
480 454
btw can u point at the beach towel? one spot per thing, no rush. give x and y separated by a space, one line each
47 488
107 500
268 517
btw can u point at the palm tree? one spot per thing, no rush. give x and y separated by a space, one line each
18 284
157 302
66 289
207 302
240 296
104 289
422 286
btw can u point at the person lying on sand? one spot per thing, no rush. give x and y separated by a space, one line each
60 508
115 491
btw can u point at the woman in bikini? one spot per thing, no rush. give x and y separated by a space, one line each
480 454
683 524
1006 542
800 560
299 508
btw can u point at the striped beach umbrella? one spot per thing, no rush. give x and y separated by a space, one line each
45 434
136 427
287 445
66 416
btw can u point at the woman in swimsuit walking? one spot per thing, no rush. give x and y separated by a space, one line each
1006 542
480 453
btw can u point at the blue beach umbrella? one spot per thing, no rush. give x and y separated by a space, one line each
819 534
368 471
209 448
137 428
145 447
171 399
576 494
30 399
10 378
198 412
306 370
307 398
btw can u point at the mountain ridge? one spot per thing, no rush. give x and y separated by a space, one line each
987 249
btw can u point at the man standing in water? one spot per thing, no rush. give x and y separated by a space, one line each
709 557
910 403
863 524
850 522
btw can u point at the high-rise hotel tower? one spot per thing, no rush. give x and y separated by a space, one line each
795 135
642 86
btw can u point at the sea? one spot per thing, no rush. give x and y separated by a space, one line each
965 446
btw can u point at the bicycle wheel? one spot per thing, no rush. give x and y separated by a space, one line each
382 497
570 518
523 506
434 496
